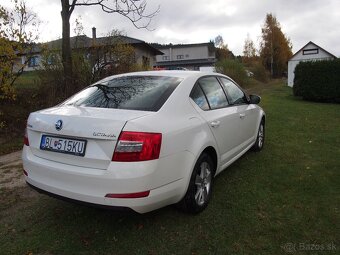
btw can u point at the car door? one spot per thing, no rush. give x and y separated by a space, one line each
247 112
222 119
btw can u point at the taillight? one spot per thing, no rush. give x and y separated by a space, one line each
26 142
137 146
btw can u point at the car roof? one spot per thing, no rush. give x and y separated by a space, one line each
169 73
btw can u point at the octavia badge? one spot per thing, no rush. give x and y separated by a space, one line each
59 125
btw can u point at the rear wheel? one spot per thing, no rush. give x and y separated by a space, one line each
199 191
260 138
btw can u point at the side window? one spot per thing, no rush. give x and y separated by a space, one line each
235 94
199 98
214 92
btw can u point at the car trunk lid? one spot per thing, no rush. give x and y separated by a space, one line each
98 128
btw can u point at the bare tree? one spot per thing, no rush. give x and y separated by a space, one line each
249 50
133 10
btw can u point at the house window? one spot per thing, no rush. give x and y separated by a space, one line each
165 57
310 52
180 56
33 61
187 55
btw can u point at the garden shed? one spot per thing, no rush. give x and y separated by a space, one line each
309 52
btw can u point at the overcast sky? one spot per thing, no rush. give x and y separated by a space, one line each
195 21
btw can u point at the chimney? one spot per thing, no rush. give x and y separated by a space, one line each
94 36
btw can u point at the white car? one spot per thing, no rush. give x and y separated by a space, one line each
142 140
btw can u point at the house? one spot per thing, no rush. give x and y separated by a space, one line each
185 56
309 52
144 53
28 59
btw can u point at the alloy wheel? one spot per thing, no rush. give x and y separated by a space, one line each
203 183
261 135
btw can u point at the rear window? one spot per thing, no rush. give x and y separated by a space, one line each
145 93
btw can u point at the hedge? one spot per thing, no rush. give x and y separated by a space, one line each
318 80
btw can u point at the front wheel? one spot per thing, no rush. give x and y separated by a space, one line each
260 138
199 191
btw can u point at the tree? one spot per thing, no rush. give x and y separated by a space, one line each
133 10
275 47
90 62
249 51
18 34
113 56
222 51
219 42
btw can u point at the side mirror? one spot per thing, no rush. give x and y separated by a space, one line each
254 99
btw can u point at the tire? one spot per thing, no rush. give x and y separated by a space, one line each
198 194
260 137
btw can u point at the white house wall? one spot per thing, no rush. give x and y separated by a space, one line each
188 53
291 70
321 55
296 59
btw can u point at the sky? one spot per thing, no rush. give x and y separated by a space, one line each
198 21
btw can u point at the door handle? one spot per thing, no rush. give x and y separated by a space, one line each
215 123
242 115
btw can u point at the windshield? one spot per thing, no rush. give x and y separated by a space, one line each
146 93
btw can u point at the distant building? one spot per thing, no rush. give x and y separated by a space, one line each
29 60
145 54
186 56
309 52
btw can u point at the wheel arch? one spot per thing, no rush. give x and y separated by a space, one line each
213 154
263 118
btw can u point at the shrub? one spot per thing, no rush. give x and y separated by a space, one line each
234 69
259 71
318 80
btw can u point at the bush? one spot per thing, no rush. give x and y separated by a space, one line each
259 71
318 80
234 69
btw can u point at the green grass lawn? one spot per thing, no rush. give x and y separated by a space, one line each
27 80
287 194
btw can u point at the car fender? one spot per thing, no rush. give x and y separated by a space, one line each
261 115
204 139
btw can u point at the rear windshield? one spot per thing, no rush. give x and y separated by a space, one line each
145 93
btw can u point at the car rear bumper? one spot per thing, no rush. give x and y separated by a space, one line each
165 178
114 208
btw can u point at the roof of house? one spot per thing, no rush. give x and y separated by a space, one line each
82 41
310 42
165 46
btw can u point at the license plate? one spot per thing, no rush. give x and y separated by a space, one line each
63 145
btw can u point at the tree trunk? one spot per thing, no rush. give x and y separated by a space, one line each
66 46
